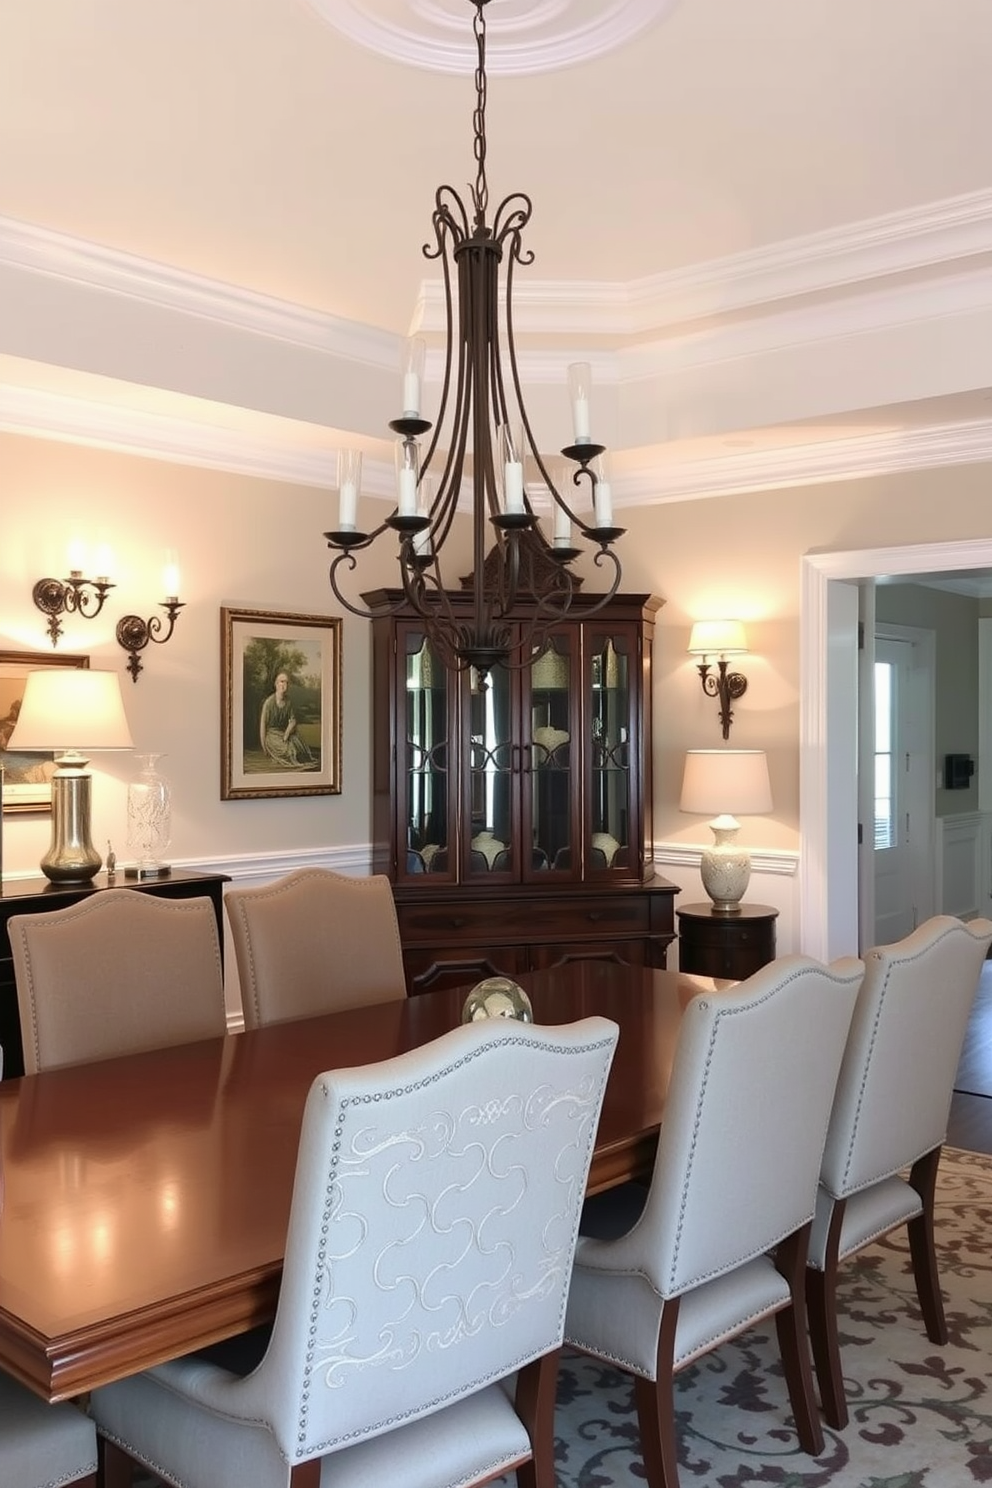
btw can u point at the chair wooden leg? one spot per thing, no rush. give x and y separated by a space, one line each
655 1400
923 1177
821 1307
116 1468
305 1474
535 1403
790 1325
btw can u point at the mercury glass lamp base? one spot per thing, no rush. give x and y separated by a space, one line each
71 856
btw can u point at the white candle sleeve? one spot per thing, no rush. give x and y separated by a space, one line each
408 493
348 506
513 475
411 395
604 504
580 419
563 528
422 540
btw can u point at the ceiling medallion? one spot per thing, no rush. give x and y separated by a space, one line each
534 35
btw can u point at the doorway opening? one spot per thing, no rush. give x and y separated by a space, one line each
828 790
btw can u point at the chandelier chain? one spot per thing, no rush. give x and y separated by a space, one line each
480 191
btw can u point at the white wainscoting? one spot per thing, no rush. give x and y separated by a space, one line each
249 872
962 870
774 881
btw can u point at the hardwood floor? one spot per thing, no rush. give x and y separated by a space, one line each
970 1121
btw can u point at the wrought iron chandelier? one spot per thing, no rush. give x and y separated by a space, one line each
521 585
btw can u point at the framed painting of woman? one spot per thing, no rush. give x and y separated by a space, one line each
281 708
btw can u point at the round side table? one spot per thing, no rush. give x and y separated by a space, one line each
729 946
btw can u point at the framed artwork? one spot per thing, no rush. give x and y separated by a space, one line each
27 778
281 705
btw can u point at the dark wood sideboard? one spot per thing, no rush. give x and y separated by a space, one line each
34 895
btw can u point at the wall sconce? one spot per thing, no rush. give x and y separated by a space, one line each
717 640
134 633
75 595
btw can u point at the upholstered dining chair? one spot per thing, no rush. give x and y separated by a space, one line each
117 973
890 1113
718 1240
431 1234
315 942
41 1444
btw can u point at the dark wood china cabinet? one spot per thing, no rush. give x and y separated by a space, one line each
514 818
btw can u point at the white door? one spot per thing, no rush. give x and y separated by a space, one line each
903 781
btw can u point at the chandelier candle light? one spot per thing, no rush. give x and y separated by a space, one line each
521 586
723 783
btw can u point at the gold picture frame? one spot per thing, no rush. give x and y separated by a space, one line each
281 704
26 777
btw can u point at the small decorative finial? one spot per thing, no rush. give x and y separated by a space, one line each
111 859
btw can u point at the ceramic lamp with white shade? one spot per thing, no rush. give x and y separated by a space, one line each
71 712
725 784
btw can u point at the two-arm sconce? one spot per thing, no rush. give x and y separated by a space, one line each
77 595
72 596
717 640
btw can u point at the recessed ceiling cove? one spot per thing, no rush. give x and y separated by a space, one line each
524 35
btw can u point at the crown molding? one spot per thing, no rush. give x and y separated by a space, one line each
940 234
948 235
41 250
126 431
852 458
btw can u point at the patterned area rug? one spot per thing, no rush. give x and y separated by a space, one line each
921 1416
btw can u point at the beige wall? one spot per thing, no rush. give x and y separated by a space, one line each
740 556
254 543
241 541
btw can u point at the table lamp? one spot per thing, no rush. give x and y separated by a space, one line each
69 711
726 782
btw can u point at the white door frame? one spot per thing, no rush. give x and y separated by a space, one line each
828 641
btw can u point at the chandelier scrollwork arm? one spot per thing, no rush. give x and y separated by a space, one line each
482 442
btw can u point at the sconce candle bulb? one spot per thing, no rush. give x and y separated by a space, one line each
134 634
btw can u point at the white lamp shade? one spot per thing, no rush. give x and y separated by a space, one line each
717 638
71 708
726 782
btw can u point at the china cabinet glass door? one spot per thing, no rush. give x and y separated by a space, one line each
551 760
424 797
610 814
489 846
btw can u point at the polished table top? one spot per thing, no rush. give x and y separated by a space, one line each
145 1199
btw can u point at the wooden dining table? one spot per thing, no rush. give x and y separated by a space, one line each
144 1200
